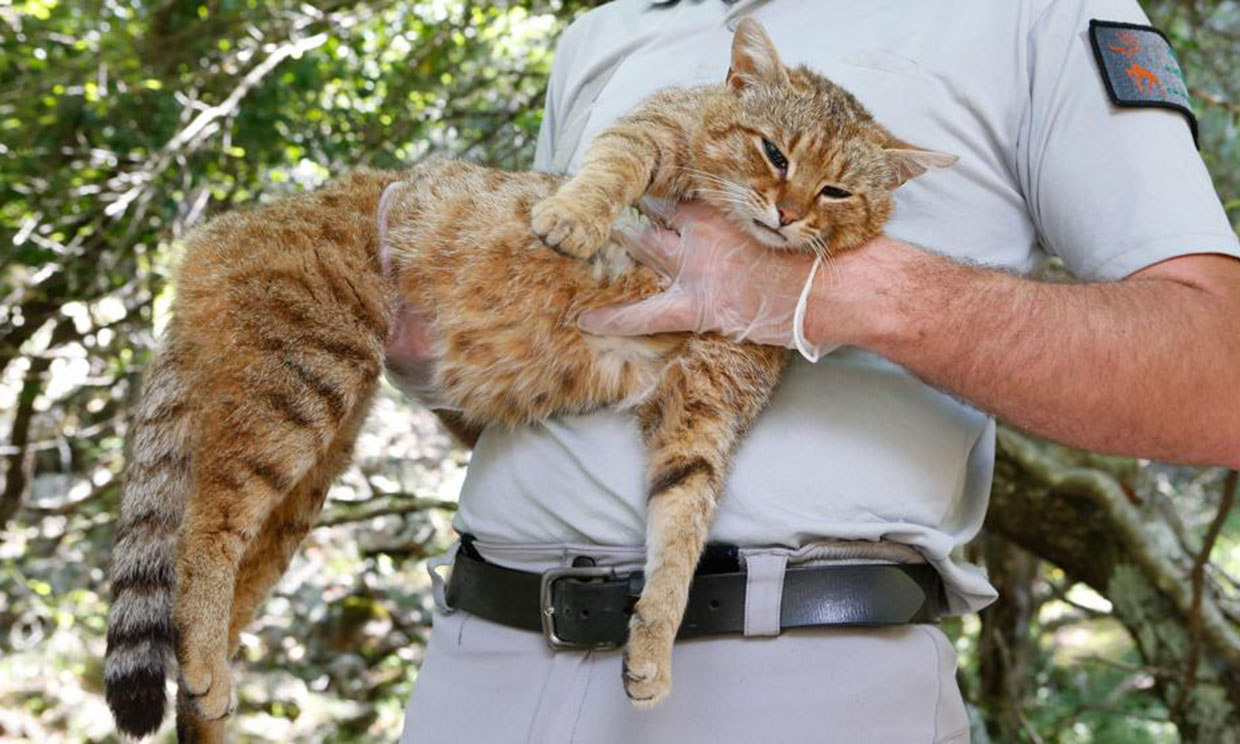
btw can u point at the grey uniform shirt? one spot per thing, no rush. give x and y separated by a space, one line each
854 447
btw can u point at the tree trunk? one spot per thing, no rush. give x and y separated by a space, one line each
1076 511
20 472
1003 646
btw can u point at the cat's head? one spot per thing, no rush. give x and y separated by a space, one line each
796 160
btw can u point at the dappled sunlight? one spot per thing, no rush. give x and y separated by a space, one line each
125 125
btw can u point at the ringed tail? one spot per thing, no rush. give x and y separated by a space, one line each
141 635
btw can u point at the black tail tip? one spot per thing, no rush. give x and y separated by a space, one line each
137 701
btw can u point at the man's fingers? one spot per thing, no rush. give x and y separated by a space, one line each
659 314
661 208
657 248
411 334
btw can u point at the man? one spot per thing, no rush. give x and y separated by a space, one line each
860 459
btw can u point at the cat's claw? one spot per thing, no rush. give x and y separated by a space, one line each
568 229
209 687
647 663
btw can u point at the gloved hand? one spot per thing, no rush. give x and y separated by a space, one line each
721 280
410 358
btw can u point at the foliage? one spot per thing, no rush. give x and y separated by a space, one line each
122 124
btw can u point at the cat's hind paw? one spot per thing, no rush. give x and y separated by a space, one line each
567 228
647 664
208 684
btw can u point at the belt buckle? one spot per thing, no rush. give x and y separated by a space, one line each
547 608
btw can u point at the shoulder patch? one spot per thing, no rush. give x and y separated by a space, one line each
1140 68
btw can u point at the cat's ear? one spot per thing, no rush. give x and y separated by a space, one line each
906 162
754 59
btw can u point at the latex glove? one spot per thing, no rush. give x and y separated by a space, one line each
410 358
721 280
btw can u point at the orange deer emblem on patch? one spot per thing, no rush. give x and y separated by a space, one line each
1129 45
1146 81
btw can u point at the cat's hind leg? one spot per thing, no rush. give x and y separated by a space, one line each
265 560
269 424
191 728
244 473
692 422
269 555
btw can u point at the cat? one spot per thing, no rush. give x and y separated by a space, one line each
268 367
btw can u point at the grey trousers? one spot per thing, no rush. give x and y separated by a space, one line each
489 684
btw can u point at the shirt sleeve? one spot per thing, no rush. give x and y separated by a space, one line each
1111 190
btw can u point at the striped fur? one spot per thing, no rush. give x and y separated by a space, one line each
248 411
691 423
713 143
140 631
253 403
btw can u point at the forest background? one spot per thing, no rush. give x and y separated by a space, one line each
124 124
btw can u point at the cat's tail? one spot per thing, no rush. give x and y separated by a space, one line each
141 636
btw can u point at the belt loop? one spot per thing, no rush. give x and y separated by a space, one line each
438 585
764 591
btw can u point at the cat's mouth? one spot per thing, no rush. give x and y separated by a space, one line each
770 230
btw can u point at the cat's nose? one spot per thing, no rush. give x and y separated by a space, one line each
786 215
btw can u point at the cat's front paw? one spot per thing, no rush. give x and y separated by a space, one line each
208 684
647 665
568 228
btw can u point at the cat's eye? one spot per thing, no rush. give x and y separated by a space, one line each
776 157
835 192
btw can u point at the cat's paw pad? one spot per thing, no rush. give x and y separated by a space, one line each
567 228
209 687
647 664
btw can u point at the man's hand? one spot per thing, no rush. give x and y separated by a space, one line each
1144 367
721 280
410 360
409 356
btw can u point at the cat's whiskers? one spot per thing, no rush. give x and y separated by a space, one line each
738 190
728 191
760 206
712 177
819 245
726 196
731 192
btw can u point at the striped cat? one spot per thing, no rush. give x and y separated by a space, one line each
268 368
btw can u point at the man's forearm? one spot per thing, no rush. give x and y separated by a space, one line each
1142 367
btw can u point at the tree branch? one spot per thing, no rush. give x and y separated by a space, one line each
409 507
194 131
1130 528
20 473
1216 101
1199 577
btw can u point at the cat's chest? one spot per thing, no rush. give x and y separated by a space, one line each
951 77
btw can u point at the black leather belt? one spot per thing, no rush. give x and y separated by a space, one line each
586 606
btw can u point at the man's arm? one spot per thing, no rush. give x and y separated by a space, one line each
1149 366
